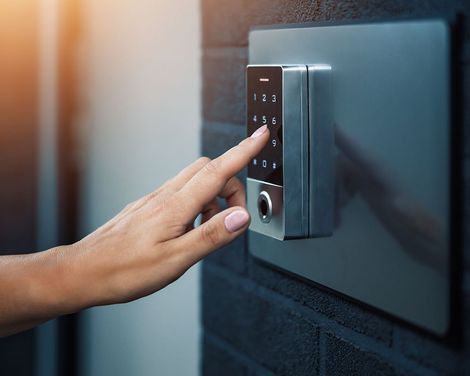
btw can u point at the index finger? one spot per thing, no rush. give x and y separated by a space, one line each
204 186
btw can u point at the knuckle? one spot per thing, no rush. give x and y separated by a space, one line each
176 208
236 183
213 167
130 205
203 161
172 205
150 197
211 234
234 187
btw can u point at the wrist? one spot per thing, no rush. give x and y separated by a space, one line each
58 284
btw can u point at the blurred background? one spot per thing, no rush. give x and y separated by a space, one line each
99 104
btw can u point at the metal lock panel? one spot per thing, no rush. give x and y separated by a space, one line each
390 246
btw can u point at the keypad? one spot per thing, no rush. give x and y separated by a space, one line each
264 106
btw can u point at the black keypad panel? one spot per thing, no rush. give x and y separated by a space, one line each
264 106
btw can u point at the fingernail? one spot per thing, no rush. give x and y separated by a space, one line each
259 131
236 220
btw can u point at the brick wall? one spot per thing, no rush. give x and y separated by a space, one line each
259 321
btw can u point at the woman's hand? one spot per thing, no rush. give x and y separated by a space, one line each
148 245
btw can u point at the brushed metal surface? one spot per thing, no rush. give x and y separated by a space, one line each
275 227
321 153
390 88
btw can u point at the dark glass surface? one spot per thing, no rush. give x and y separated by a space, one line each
264 106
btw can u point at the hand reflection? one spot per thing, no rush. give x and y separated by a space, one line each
420 234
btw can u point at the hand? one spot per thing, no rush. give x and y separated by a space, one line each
152 242
148 245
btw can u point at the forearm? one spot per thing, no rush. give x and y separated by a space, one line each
37 287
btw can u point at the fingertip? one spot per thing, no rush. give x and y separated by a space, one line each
237 220
260 131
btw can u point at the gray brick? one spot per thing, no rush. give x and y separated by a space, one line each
345 358
223 23
229 361
224 85
218 137
216 361
227 22
429 352
273 336
231 256
335 308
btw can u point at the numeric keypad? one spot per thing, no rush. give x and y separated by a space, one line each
264 107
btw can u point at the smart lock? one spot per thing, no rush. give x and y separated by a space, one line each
290 183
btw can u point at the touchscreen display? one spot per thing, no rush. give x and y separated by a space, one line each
264 106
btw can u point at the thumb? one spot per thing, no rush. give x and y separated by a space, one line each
220 230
